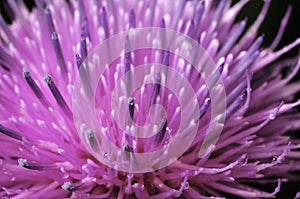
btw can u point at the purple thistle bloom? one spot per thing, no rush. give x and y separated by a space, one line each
44 154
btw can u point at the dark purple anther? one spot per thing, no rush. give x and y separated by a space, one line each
49 20
235 105
84 36
255 46
83 75
59 54
128 149
104 22
191 30
31 165
163 23
166 59
57 95
203 109
132 20
236 91
152 5
92 140
198 15
162 33
156 89
79 61
5 56
131 107
216 76
232 39
127 55
36 90
81 9
220 10
221 68
243 66
83 48
10 133
162 130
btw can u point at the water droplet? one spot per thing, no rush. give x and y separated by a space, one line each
186 186
106 156
244 161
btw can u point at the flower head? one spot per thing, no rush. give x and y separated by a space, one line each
160 99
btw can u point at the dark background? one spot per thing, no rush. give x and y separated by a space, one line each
273 19
269 28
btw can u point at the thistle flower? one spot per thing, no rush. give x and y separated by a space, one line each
46 153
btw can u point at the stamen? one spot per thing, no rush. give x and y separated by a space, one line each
162 34
178 14
248 92
132 20
104 22
184 185
128 150
216 76
41 4
198 17
242 66
191 30
152 7
203 109
276 160
255 46
246 193
81 9
79 61
128 62
162 130
166 59
127 55
257 23
275 55
221 68
36 90
10 133
163 23
83 48
219 11
233 38
84 79
166 62
58 97
84 35
49 20
30 165
85 28
59 55
234 106
156 89
128 188
9 61
92 140
237 90
67 186
131 107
